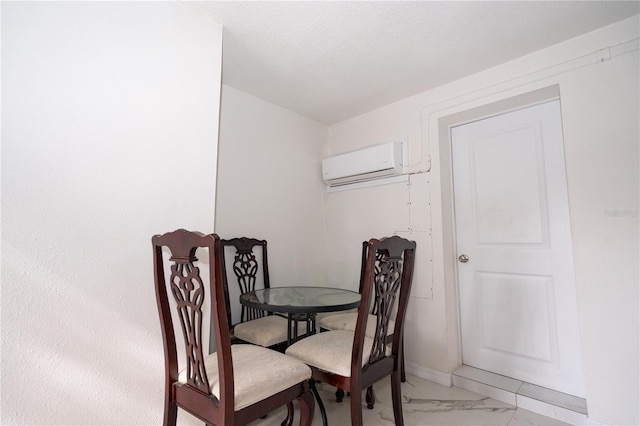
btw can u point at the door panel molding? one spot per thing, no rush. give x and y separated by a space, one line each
502 195
436 125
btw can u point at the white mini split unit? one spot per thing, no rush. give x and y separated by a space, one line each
364 165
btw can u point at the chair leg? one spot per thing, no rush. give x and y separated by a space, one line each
170 413
403 375
396 397
288 421
339 394
370 398
356 408
307 408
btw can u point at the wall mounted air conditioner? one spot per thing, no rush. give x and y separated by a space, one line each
375 162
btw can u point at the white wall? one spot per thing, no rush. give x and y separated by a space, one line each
270 186
600 107
110 125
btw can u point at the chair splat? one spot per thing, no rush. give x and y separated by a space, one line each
189 292
223 388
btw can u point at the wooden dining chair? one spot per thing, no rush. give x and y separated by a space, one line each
236 384
351 360
250 271
348 320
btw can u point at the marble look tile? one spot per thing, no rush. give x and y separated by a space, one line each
420 388
424 403
552 411
480 411
526 417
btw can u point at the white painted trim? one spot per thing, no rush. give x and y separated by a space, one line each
435 376
487 390
551 411
591 422
434 142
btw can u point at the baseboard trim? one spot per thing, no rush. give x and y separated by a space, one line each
591 422
444 379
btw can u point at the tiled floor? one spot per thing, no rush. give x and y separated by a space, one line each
424 403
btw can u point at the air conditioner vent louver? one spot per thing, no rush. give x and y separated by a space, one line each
367 164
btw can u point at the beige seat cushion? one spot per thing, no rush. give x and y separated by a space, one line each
329 351
258 373
347 321
266 331
338 321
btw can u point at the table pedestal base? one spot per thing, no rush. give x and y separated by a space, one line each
294 319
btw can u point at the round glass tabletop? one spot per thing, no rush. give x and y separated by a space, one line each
301 299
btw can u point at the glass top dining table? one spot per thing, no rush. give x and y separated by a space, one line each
301 303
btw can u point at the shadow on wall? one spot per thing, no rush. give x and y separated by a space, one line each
77 357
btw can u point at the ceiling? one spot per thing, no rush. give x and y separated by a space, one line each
333 60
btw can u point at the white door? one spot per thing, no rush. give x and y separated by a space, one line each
517 289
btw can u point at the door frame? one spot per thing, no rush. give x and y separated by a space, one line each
443 218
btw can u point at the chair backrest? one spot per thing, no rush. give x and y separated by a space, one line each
386 284
186 285
376 270
251 272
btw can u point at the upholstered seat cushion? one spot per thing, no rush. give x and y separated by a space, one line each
329 351
258 373
266 331
338 321
347 321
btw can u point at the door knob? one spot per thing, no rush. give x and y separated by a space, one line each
463 258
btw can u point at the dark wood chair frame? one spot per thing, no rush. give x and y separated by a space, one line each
245 267
376 272
397 254
189 292
371 398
